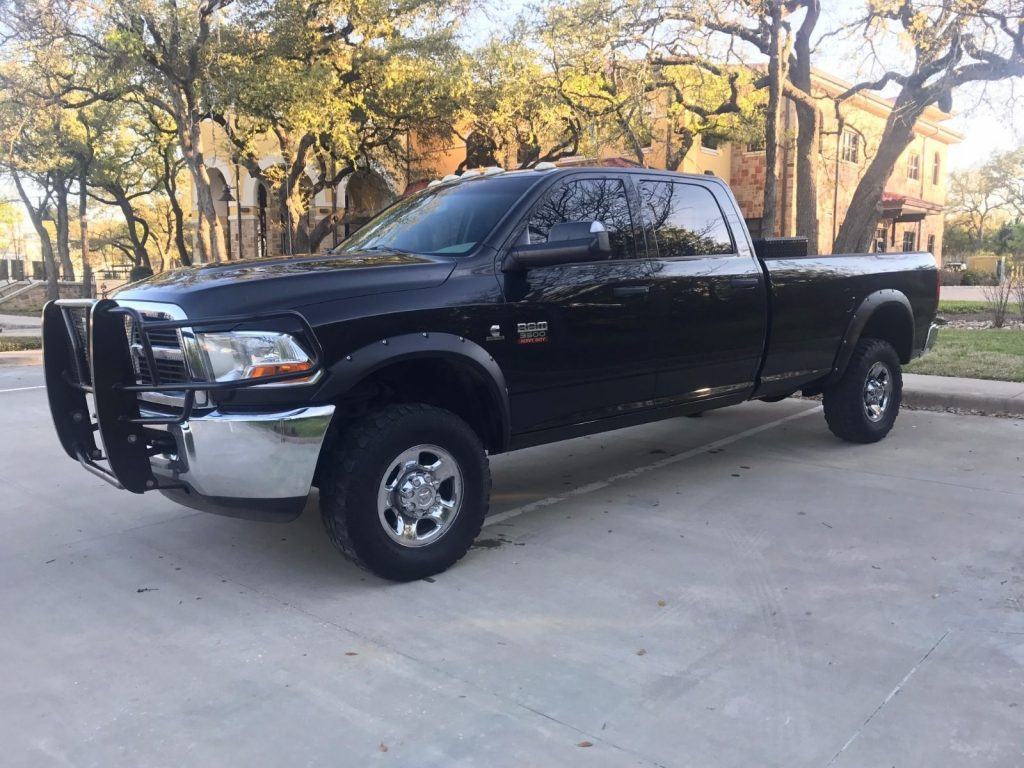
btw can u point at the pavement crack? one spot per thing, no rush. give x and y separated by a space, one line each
887 699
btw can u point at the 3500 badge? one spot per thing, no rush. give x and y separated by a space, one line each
532 333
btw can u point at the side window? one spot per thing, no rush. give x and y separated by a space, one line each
685 219
587 200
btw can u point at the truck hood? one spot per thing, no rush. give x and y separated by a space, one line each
288 283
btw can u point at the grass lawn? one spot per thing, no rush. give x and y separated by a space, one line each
954 307
19 343
988 354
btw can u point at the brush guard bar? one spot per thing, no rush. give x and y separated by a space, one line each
86 351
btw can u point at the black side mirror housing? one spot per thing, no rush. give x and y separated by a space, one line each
568 243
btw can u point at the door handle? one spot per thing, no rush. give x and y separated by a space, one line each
631 290
744 283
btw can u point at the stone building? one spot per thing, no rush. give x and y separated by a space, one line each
911 215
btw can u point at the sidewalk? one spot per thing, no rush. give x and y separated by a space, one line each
28 357
993 398
962 293
21 325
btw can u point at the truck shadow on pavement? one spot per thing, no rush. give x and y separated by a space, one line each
539 479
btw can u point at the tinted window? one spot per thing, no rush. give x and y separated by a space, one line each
449 219
601 200
685 219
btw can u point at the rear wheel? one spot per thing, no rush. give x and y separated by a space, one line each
406 491
862 406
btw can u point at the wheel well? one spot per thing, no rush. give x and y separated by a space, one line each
891 323
454 386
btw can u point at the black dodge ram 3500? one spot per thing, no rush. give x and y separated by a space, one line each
479 316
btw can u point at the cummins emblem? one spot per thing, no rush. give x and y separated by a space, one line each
532 333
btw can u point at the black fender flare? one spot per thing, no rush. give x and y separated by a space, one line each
361 363
871 304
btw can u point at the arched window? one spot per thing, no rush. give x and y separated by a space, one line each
221 196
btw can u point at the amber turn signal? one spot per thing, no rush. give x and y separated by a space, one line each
264 370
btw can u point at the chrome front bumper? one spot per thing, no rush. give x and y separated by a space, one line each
252 465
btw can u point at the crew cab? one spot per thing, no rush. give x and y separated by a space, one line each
484 314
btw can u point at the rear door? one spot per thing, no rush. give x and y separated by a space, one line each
580 348
709 292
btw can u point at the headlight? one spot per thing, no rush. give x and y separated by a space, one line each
252 355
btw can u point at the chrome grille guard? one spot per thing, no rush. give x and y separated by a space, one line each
104 370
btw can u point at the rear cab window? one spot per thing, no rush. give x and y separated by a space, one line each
684 219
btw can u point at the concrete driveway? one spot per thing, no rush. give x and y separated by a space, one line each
736 590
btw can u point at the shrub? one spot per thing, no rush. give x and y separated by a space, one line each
974 277
950 277
998 296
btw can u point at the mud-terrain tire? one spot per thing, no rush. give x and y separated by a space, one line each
377 484
862 406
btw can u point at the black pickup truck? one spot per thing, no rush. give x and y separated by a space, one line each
484 314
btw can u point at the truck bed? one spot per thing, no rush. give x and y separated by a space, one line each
812 301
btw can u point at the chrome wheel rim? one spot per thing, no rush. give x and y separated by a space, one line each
877 391
420 495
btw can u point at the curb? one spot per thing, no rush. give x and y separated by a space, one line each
939 393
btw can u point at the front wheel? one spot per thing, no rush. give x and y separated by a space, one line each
406 491
862 406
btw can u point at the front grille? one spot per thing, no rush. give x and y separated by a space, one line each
78 320
167 352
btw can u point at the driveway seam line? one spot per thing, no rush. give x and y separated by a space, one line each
582 490
890 697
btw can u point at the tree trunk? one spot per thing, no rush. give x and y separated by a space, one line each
209 233
171 187
83 228
675 157
45 244
862 216
140 255
769 213
62 229
808 141
322 229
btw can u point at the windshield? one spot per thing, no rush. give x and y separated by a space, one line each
450 219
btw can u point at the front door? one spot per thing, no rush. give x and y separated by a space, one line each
580 332
709 294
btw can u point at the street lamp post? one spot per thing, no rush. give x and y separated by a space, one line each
228 199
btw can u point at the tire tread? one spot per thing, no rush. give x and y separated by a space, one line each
842 401
345 472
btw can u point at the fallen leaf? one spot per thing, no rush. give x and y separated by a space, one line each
383 747
584 744
662 603
351 653
641 652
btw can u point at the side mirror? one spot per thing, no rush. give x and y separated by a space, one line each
568 243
